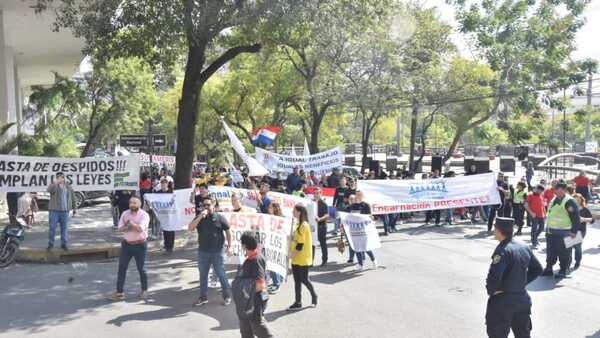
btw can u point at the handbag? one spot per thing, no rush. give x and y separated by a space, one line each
341 246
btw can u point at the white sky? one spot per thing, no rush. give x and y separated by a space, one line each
587 37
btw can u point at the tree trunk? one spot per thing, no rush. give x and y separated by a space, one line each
413 134
366 135
453 145
187 118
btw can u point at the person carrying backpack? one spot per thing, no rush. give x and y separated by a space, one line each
250 292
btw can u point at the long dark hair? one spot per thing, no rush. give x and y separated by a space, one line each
301 209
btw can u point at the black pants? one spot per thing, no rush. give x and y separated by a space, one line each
556 250
138 252
322 235
300 273
169 240
431 214
493 211
257 325
505 312
518 215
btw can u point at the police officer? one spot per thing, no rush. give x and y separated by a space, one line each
563 220
513 267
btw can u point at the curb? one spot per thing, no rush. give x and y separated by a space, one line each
101 252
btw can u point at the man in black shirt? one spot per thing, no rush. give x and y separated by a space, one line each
213 230
322 217
340 200
498 210
254 268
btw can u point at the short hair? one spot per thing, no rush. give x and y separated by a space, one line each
540 187
135 197
60 174
249 241
561 185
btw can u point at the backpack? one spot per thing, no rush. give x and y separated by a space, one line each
244 293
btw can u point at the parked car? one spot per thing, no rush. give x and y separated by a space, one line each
81 197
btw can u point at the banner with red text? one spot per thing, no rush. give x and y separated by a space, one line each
396 196
271 232
174 211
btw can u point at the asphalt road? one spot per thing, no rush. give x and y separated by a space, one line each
430 284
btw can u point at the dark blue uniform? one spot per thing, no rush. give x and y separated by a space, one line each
509 306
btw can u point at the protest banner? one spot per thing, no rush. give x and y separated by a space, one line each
174 211
33 174
249 198
271 232
160 160
395 196
361 231
321 163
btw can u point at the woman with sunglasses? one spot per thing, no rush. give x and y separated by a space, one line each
301 256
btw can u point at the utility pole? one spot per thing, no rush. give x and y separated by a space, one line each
150 142
398 132
588 123
564 108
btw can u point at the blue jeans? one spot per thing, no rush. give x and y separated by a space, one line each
537 226
389 222
138 252
276 278
449 214
217 260
361 257
55 218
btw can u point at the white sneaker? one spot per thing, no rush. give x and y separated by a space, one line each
375 265
359 267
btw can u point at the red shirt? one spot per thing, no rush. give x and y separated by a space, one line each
536 204
549 195
145 184
582 181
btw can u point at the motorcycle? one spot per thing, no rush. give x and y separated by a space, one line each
10 240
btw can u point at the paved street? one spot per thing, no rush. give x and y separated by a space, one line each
430 284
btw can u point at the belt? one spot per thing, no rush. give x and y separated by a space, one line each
141 241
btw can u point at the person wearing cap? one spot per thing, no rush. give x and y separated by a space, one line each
61 202
513 267
563 221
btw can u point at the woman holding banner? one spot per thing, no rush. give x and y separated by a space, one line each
274 208
301 256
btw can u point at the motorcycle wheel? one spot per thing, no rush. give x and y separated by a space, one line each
9 254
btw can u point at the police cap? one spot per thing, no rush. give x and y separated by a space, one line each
505 223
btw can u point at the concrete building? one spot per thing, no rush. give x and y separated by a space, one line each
30 51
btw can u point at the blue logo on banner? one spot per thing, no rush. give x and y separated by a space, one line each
435 189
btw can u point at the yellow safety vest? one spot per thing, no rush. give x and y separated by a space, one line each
558 215
519 197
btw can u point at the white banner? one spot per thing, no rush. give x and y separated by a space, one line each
160 160
174 211
321 163
272 233
33 174
361 231
395 196
249 199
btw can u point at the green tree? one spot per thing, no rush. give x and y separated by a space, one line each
422 57
313 39
526 44
114 98
160 32
464 80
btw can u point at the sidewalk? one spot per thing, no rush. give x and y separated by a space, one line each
91 237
